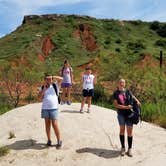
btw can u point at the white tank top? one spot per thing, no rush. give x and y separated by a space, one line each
50 100
88 81
67 75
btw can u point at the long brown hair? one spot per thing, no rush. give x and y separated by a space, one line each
65 62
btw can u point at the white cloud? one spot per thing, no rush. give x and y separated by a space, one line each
28 6
1 35
12 11
148 10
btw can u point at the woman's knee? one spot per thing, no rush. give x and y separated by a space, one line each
129 131
122 130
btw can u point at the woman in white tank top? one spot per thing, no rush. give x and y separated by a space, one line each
88 88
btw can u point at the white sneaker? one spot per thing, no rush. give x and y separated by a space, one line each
122 152
62 102
129 153
88 110
81 111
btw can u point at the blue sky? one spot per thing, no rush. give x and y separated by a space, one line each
13 11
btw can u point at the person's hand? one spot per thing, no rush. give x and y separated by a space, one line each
95 74
73 83
130 106
138 102
45 86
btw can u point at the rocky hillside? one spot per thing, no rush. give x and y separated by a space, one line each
113 49
79 38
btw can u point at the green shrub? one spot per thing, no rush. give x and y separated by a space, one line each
136 46
4 151
107 41
155 113
117 50
5 104
118 41
30 97
162 30
11 135
100 94
161 43
136 22
155 25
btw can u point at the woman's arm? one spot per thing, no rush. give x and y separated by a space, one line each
58 79
138 102
41 92
72 78
95 79
119 106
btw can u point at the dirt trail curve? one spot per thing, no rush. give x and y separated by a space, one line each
88 139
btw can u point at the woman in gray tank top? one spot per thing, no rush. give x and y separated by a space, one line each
67 74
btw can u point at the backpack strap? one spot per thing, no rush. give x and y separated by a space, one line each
129 97
57 92
55 88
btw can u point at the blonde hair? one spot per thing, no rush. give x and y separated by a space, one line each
122 80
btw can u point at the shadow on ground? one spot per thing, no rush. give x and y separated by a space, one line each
27 144
100 152
69 111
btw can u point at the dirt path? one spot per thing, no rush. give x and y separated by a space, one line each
88 139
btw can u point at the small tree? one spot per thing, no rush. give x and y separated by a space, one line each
13 83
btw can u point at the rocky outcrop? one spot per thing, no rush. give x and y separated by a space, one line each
51 17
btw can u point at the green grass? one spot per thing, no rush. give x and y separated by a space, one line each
155 113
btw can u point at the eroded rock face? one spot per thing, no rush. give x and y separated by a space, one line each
87 37
47 46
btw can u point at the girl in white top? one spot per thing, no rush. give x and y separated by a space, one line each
88 88
88 81
49 112
50 99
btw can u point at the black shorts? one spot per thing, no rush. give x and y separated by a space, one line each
88 92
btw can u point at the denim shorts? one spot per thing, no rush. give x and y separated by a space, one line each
123 120
49 114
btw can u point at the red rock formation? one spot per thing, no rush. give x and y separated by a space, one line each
41 58
48 46
86 36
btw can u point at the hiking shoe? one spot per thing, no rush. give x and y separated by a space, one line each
88 110
81 111
49 143
68 102
62 102
122 152
59 145
129 153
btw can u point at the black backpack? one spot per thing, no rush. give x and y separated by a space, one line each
135 115
56 91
